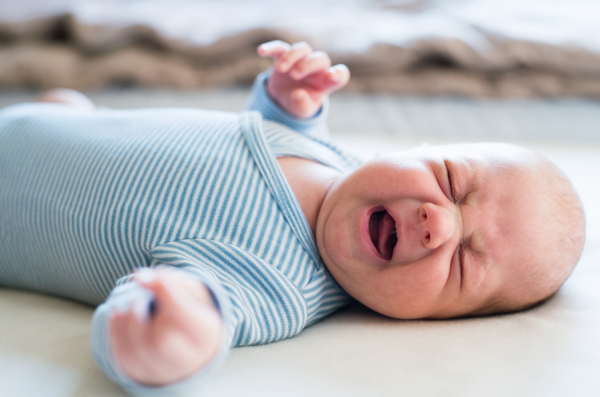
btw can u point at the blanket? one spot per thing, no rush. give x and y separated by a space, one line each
474 48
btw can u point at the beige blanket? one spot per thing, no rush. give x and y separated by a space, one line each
414 47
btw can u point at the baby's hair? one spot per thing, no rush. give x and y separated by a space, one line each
559 243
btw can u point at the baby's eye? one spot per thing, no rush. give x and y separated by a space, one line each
459 257
450 184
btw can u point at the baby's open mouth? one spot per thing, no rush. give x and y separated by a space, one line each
382 229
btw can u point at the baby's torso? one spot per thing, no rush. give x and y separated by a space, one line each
86 197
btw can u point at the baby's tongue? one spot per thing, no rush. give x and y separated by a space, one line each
385 228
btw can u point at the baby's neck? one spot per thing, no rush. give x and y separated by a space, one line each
310 181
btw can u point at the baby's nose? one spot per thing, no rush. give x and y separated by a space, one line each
438 225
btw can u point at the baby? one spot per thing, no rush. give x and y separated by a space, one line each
247 228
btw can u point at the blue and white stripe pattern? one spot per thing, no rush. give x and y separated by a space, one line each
87 197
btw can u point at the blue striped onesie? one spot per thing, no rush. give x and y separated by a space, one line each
87 197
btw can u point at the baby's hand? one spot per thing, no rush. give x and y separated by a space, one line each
180 338
301 77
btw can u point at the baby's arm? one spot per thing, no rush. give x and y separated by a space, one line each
287 97
255 303
181 335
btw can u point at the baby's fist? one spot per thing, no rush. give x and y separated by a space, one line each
179 337
301 77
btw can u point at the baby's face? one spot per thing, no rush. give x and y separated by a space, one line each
432 232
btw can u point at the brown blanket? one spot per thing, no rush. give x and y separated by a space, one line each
62 51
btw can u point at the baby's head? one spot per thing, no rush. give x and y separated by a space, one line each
452 231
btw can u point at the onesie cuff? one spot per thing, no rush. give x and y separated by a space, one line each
260 100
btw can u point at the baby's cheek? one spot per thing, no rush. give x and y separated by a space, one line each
338 247
428 277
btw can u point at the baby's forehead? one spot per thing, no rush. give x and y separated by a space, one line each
483 159
485 153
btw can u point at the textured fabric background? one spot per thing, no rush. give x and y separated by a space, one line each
475 48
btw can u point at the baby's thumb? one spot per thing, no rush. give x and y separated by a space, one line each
273 49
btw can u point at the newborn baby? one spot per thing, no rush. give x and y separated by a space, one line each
229 220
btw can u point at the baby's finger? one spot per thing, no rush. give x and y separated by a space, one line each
339 75
128 336
336 77
174 301
298 52
274 49
315 62
179 278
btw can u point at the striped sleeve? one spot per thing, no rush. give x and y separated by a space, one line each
265 305
128 293
259 100
258 304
